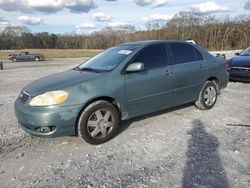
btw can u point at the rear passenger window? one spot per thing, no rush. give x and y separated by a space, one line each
199 57
183 53
154 56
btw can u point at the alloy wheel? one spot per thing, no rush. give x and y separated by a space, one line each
210 96
100 123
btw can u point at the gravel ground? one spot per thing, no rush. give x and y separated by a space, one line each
180 147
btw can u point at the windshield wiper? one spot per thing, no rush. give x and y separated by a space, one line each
88 69
77 68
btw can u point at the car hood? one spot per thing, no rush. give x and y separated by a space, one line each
59 81
240 61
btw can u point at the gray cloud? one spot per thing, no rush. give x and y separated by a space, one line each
52 6
153 3
247 5
12 6
82 6
45 9
142 3
101 17
4 23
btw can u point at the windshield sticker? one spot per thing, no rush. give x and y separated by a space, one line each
125 52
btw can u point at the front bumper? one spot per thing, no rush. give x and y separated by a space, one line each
63 119
239 74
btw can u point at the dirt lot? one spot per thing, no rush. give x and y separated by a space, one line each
54 53
181 147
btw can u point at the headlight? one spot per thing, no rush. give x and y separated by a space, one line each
49 98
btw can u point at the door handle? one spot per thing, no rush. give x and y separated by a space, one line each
202 66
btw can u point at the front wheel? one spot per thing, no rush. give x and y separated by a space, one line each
208 96
98 122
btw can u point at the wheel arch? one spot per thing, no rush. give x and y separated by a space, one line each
36 58
216 81
104 98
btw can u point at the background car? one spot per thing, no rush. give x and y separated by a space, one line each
25 56
239 66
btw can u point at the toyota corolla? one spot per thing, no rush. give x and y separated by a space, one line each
122 82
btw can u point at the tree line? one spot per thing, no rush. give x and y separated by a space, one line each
210 32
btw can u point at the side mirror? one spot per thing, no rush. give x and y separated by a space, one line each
135 67
237 53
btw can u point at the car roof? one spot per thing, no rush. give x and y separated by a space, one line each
147 42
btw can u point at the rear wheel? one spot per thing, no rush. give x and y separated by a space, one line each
208 96
36 58
98 122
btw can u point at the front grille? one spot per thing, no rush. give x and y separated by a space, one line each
24 97
240 69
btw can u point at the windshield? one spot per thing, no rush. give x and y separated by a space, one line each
110 58
246 52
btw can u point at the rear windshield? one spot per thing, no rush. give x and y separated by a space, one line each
110 58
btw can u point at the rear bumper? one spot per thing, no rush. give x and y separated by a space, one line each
62 119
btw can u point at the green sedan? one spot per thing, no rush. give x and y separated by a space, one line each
123 82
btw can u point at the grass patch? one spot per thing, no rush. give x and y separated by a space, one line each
55 53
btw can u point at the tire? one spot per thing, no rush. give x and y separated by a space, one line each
36 58
14 60
98 122
208 96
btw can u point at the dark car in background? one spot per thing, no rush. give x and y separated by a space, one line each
123 82
26 56
239 66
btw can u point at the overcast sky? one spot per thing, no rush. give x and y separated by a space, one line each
64 16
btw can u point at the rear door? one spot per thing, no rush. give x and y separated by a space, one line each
189 69
152 89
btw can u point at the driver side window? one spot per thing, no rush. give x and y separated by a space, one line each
154 56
